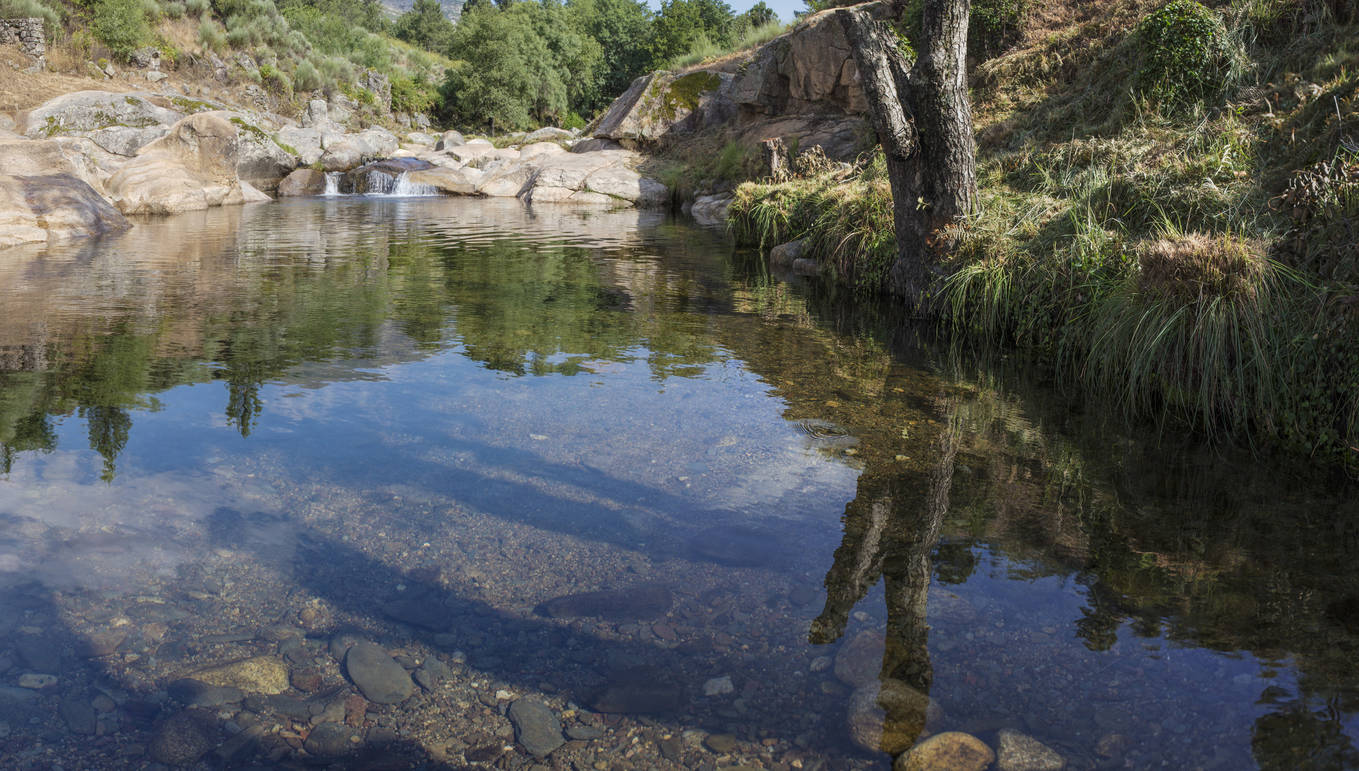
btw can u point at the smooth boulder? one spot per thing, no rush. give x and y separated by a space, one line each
952 750
37 208
192 167
303 182
379 678
536 727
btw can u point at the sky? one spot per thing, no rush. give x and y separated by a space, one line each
784 8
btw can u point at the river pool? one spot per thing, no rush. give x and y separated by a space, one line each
609 496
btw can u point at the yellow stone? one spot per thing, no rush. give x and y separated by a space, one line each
949 751
261 674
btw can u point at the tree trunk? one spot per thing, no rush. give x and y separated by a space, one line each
924 120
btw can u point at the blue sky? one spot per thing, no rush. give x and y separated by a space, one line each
784 8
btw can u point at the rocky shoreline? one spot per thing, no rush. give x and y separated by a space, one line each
87 160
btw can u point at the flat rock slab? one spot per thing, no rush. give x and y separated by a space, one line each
637 697
377 675
642 602
259 674
536 727
424 611
1020 752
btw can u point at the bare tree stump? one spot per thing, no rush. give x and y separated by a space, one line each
775 157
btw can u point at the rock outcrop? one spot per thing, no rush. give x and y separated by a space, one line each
52 206
803 85
50 189
83 111
192 167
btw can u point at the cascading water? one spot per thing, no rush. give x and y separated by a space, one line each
403 186
332 183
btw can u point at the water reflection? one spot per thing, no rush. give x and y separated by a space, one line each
256 434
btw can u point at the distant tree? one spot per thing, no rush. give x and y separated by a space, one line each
425 25
680 25
760 14
518 67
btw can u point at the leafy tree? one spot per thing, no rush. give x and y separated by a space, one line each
622 29
507 74
425 25
759 15
682 25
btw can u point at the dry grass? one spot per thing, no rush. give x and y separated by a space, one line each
1198 266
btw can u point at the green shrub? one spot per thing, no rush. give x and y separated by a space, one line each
173 10
276 80
122 25
197 7
306 77
413 95
32 9
1185 55
210 35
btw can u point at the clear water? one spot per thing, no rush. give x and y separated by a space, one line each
240 433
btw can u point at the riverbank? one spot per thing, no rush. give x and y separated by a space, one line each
1191 258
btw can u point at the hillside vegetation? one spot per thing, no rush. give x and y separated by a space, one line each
1169 210
296 46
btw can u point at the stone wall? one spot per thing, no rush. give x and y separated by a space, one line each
27 34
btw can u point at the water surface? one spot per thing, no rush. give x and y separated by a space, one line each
431 422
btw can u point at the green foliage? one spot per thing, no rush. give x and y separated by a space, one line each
306 77
622 29
122 25
276 80
682 25
521 66
413 95
197 7
1184 53
425 25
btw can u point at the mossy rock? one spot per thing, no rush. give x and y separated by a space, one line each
685 92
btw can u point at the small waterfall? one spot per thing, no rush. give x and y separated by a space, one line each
332 183
403 186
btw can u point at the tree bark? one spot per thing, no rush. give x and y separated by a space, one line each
923 118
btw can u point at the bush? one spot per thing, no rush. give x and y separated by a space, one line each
122 25
276 80
173 10
197 7
1185 56
210 35
413 95
307 78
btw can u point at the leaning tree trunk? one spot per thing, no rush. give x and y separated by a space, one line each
924 120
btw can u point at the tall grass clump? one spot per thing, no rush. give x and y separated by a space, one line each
1194 330
702 49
